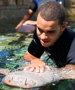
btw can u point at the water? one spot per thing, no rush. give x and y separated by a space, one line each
13 46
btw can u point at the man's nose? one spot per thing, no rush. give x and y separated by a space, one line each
44 36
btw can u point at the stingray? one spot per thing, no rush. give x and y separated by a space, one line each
26 29
27 79
23 29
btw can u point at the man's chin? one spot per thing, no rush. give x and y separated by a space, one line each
45 45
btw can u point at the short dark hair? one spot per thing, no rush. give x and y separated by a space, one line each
52 10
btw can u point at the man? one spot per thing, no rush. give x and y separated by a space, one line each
51 35
34 6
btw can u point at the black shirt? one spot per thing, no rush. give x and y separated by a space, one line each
62 52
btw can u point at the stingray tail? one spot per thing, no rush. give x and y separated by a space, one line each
4 71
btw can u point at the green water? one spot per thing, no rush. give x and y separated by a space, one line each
13 46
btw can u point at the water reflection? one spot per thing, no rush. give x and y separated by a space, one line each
14 44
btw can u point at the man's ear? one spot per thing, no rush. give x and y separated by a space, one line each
63 26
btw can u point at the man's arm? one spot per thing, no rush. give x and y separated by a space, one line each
26 17
36 64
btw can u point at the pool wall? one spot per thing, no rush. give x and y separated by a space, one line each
17 8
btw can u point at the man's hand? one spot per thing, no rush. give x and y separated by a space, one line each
26 17
19 25
30 22
36 65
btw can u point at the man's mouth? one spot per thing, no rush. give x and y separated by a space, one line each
44 41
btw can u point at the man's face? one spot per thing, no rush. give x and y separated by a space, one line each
48 31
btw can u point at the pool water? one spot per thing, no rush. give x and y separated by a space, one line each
13 46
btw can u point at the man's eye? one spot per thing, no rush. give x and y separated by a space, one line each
40 29
51 31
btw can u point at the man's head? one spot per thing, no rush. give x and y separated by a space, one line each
52 11
50 23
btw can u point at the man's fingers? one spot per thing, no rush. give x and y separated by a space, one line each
37 69
42 69
24 24
32 69
26 68
48 67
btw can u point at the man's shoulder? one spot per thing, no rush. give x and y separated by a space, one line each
33 6
70 31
